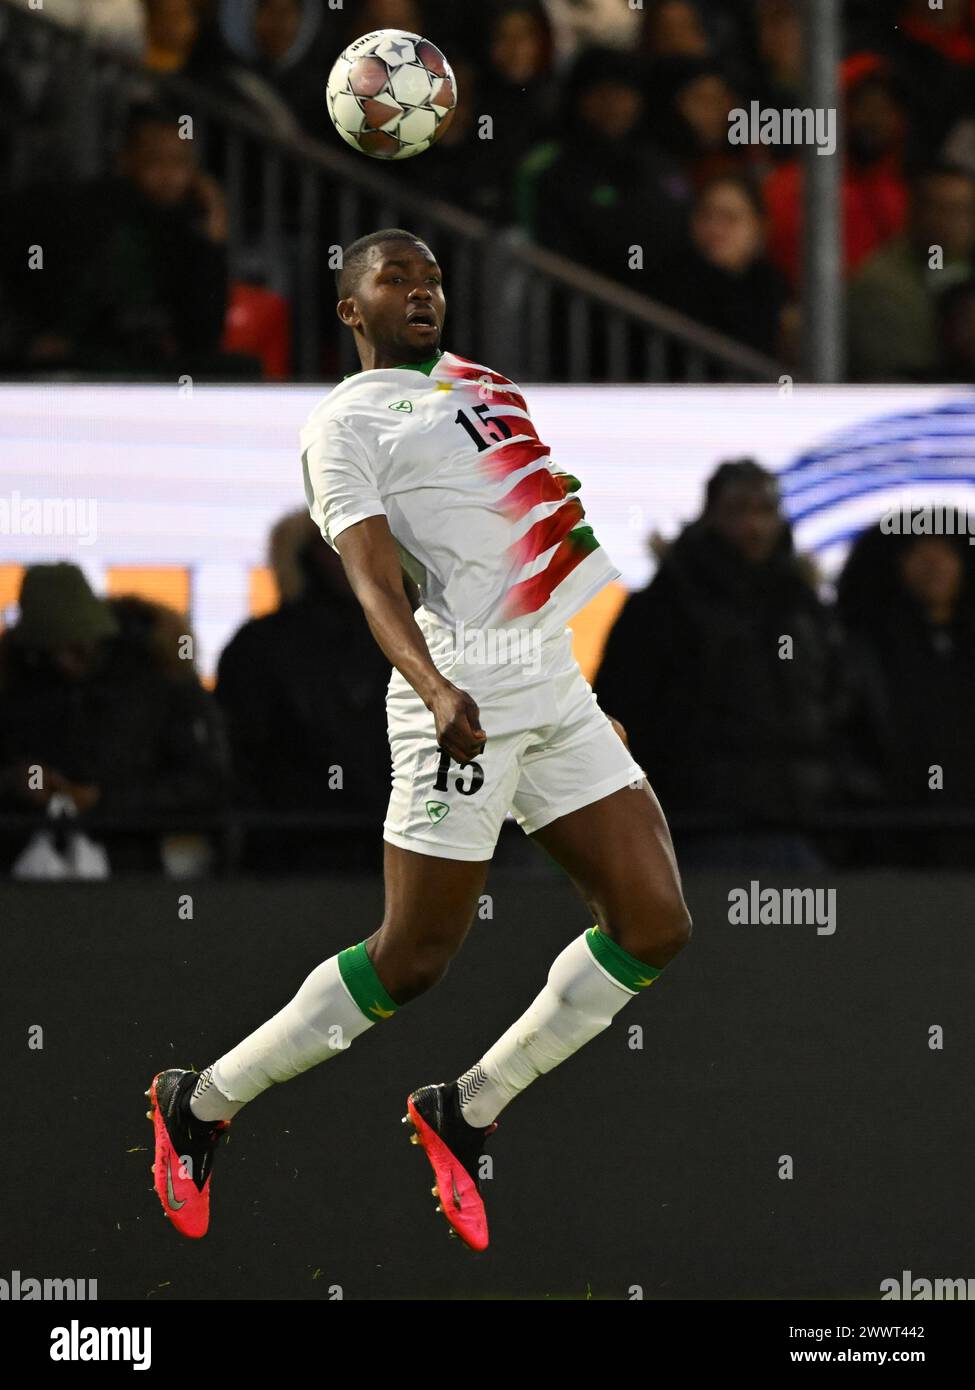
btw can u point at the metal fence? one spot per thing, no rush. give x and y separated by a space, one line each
293 203
276 843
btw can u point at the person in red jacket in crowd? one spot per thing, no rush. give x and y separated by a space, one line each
875 194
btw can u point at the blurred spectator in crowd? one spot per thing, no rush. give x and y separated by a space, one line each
449 176
933 49
363 18
674 29
172 30
723 277
892 325
778 44
693 31
43 86
276 62
95 696
578 24
959 148
725 720
603 185
514 89
874 190
303 690
908 602
956 335
694 102
116 24
135 264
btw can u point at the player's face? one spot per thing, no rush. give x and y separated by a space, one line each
400 302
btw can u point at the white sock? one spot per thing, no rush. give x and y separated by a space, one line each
318 1023
580 999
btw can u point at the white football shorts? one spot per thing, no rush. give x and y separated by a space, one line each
549 750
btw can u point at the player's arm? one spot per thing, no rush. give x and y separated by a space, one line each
372 565
620 731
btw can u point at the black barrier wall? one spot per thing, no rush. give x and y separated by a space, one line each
629 1170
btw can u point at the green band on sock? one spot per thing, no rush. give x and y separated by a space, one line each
365 986
631 973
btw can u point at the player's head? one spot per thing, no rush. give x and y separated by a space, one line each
391 296
742 505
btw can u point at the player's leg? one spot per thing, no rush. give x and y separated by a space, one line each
613 841
618 853
430 903
620 856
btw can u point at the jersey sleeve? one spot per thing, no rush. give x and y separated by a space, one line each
341 486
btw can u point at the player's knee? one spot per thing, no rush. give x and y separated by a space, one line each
408 975
426 970
679 927
671 923
654 927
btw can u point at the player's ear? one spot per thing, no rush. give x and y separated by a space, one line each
348 312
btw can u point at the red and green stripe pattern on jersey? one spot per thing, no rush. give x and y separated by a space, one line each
563 528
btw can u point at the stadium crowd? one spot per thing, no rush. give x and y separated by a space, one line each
597 107
762 714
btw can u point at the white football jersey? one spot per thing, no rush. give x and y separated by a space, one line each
486 525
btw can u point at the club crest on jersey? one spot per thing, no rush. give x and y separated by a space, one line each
406 406
436 810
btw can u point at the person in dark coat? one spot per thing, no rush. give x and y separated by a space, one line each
908 603
722 277
603 184
303 690
726 672
137 261
274 59
91 709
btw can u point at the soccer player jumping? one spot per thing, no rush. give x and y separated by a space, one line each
428 463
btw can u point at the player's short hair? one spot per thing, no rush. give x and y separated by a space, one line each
735 471
356 255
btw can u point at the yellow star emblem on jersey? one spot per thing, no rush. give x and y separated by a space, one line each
444 386
379 1011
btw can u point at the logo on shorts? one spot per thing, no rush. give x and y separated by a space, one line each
406 406
436 810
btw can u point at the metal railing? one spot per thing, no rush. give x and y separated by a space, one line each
354 838
293 202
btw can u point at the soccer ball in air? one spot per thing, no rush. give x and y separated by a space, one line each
391 94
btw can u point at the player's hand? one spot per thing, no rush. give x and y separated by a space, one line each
458 723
